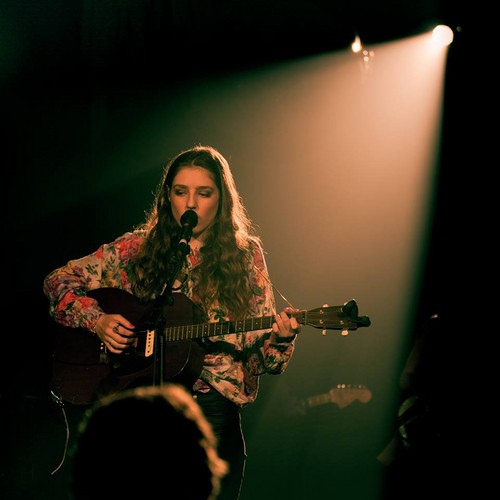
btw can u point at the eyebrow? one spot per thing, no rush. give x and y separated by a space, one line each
197 187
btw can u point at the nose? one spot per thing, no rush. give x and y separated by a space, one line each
191 201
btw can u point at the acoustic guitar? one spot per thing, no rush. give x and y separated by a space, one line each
83 370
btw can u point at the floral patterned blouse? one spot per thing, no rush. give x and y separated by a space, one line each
234 372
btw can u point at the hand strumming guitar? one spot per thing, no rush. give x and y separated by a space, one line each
115 332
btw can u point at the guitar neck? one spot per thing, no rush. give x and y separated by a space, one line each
342 395
342 318
318 399
205 330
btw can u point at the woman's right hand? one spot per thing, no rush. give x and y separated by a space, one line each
115 332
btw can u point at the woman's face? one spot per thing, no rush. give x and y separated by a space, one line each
193 188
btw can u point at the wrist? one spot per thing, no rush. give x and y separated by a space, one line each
281 340
92 325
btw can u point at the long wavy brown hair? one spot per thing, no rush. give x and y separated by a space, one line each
226 254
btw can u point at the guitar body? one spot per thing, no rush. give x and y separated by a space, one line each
83 372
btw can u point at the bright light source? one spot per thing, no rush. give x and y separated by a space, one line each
356 45
442 35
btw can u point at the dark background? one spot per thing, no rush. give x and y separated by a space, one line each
60 59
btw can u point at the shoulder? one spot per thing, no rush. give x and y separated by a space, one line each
130 239
125 246
257 255
257 268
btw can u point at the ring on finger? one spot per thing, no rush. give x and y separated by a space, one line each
115 328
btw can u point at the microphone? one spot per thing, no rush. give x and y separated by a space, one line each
189 220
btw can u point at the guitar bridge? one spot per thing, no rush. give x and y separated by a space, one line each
103 354
150 343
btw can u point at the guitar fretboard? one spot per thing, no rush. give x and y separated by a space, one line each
204 330
319 399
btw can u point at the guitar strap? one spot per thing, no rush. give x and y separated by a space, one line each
275 288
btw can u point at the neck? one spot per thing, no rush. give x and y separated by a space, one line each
195 243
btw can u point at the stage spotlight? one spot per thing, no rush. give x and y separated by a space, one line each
442 35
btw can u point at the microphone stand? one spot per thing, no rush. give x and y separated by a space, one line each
157 318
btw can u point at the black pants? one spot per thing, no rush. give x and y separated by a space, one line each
225 418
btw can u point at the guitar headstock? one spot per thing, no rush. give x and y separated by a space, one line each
343 395
343 317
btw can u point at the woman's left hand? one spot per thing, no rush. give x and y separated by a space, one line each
285 324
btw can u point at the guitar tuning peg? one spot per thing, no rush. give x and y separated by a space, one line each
323 332
344 332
